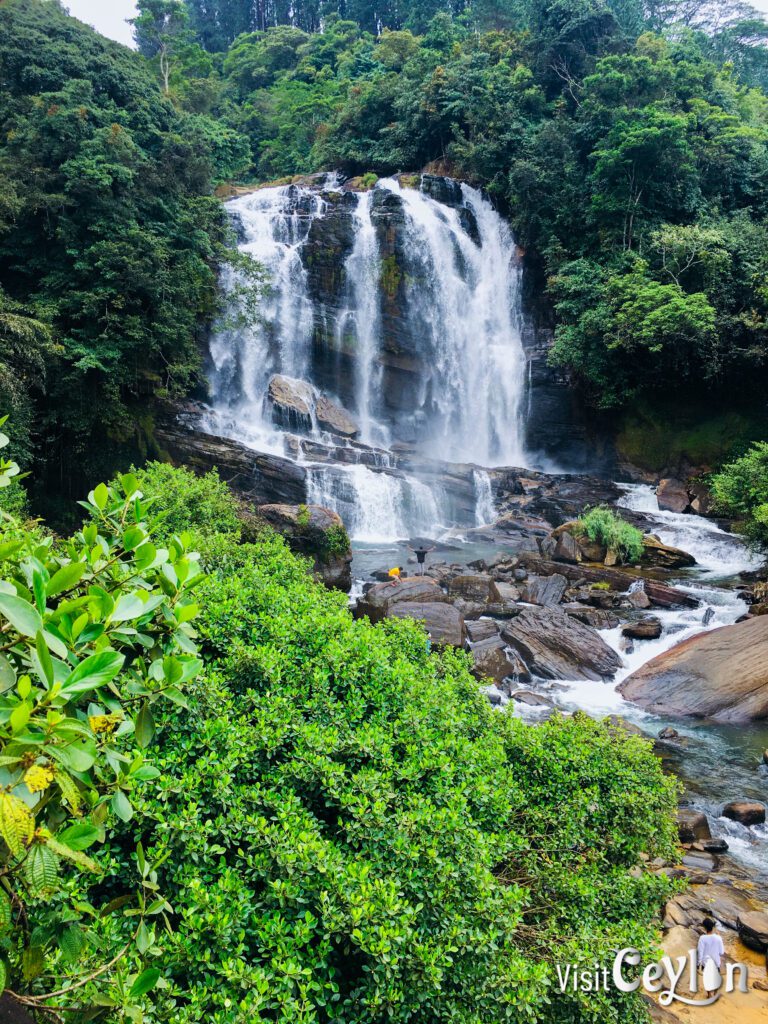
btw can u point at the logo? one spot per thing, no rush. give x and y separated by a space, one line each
663 979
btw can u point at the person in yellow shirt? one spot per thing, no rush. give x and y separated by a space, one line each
394 574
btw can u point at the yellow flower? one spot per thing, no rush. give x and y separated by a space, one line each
38 778
103 723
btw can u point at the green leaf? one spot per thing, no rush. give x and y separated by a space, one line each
130 606
21 615
75 856
41 870
5 912
7 674
38 588
121 805
145 982
99 496
20 715
79 836
44 656
145 726
143 938
93 672
78 756
65 578
71 942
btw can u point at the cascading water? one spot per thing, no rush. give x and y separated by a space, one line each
441 310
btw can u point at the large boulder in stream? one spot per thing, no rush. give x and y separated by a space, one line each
380 600
556 646
722 674
443 622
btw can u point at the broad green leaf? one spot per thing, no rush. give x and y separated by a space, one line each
41 870
93 672
75 856
121 805
79 836
145 726
71 942
44 657
99 496
7 674
145 982
129 606
65 578
21 615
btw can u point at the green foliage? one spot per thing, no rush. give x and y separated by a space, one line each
740 489
182 500
96 638
337 541
108 240
349 832
606 527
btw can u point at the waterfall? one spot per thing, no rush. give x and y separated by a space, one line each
402 309
363 316
485 510
466 302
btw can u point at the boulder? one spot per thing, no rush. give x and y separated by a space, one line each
442 621
722 674
753 929
482 629
692 825
333 418
477 587
566 548
381 597
638 599
648 628
663 556
504 603
491 659
471 609
721 901
672 495
748 812
668 733
318 533
546 591
533 700
291 402
555 646
597 618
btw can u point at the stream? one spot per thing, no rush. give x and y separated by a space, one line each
716 762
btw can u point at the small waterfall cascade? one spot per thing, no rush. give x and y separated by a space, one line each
399 309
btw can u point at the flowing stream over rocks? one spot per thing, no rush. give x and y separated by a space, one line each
386 379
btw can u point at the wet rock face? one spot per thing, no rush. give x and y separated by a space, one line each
722 674
748 812
443 623
556 646
317 533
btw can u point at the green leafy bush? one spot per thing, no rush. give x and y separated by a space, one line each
95 635
605 526
347 832
182 500
740 489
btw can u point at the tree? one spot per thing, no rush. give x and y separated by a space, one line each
160 27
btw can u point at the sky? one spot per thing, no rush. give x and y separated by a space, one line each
109 16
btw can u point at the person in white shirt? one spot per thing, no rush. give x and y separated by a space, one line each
709 954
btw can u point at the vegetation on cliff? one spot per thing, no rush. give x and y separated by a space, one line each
322 822
626 141
740 489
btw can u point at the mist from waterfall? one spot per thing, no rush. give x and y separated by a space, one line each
461 302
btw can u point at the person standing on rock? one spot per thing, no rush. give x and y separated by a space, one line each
394 574
421 553
710 951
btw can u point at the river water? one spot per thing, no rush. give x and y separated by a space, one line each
715 762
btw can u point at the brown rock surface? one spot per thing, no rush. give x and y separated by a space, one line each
722 674
381 597
443 622
555 646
